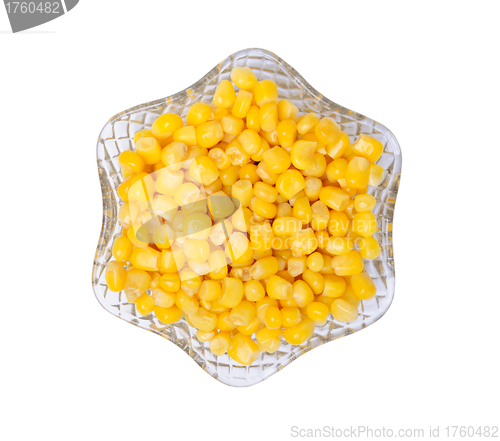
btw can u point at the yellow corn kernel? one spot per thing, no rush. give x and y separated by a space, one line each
368 147
315 262
204 320
254 291
218 266
229 175
163 298
168 180
316 281
209 134
174 155
262 305
264 268
265 192
319 166
289 303
190 281
122 249
339 246
289 183
131 161
124 188
286 275
149 149
197 250
268 340
320 216
220 232
268 117
335 286
302 293
284 226
369 248
204 170
350 297
357 173
318 313
249 141
197 226
322 238
145 259
242 104
364 224
278 288
142 134
325 300
243 192
219 158
205 336
139 238
336 169
300 333
338 149
187 304
172 260
165 126
210 290
265 91
186 134
261 237
335 198
303 242
242 314
272 318
343 311
164 206
266 174
287 111
338 223
364 202
296 266
348 264
252 119
277 159
223 322
243 77
232 292
251 328
238 248
115 276
313 188
170 282
264 209
243 349
169 315
307 123
145 305
198 113
287 133
284 210
186 193
271 138
142 188
136 283
224 95
232 125
241 219
302 154
290 316
377 175
328 131
220 343
302 210
218 113
363 286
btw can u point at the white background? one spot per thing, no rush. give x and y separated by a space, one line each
427 70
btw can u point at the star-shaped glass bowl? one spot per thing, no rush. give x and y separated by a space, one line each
118 135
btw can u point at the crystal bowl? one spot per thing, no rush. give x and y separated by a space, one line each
118 135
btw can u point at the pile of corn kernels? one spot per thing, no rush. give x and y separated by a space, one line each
248 220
